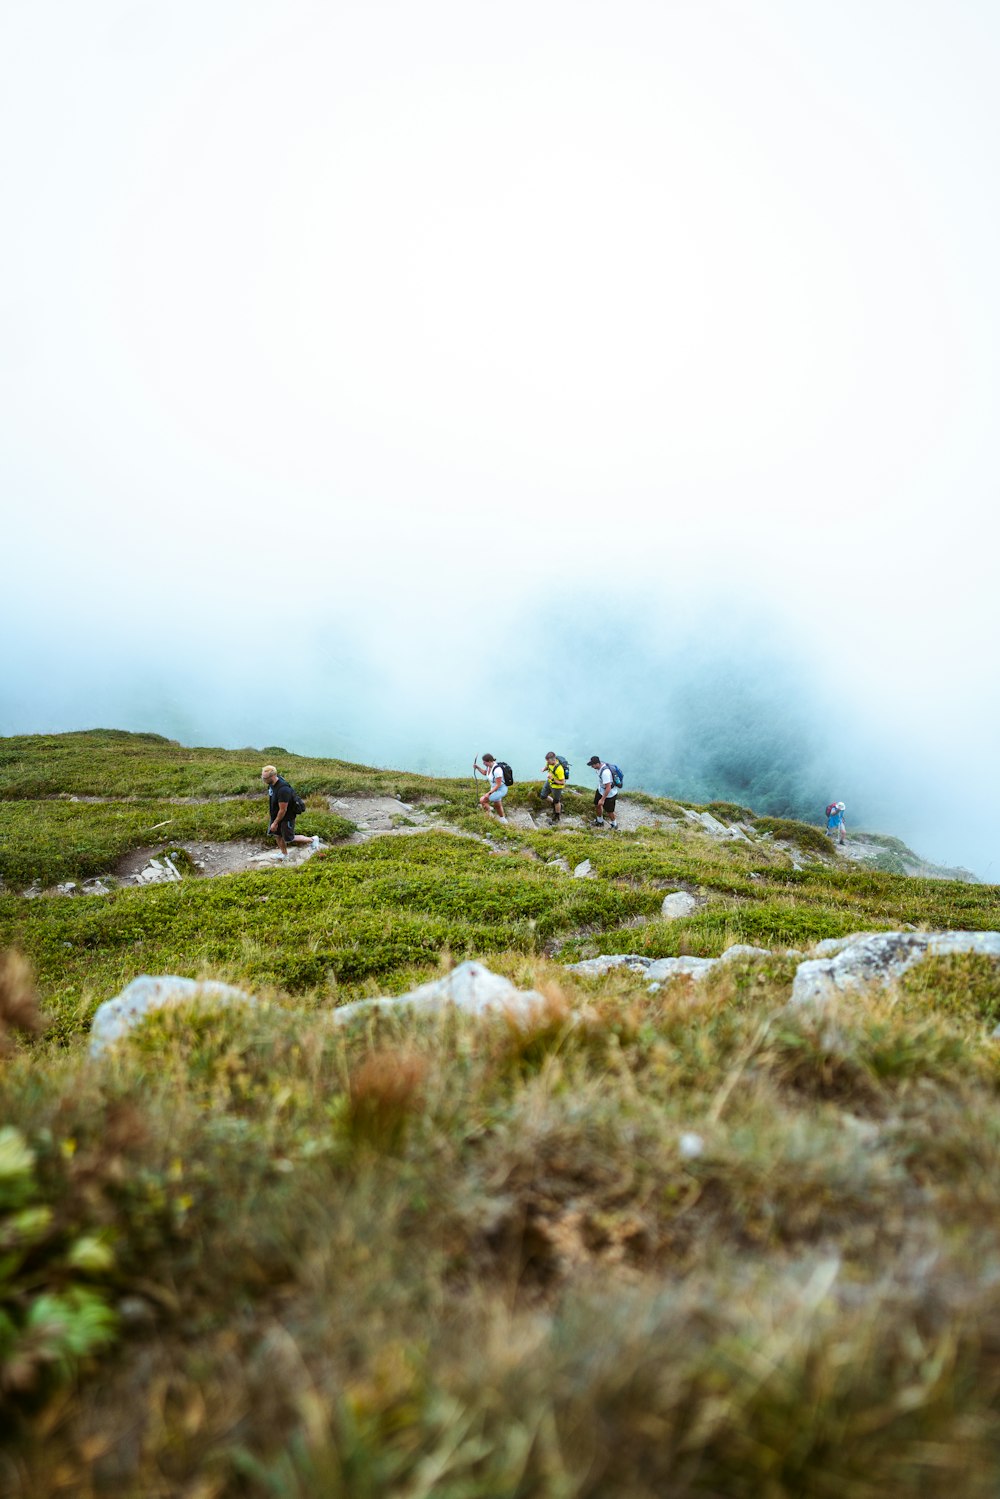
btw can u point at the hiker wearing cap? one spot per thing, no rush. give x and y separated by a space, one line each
835 823
283 808
606 795
492 798
555 773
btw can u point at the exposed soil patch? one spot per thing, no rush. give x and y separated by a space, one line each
374 815
213 858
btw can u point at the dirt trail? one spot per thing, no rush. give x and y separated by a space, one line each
372 816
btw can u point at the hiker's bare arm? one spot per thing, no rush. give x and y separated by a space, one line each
282 814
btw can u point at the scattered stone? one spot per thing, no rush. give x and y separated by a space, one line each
737 834
691 1146
661 970
96 886
677 904
879 958
470 988
584 871
559 863
158 872
67 888
145 995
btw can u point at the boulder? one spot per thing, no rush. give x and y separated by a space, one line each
145 994
584 871
470 988
878 958
677 904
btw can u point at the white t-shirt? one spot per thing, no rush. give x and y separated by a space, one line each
496 775
606 783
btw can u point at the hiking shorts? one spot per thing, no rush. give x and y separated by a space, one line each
286 829
551 789
499 794
609 802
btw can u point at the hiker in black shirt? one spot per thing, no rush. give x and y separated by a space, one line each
281 810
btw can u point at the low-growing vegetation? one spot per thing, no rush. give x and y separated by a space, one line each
682 1242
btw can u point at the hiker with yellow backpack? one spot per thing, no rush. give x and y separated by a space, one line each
556 774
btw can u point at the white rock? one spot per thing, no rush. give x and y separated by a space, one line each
691 1146
677 904
583 871
605 963
669 968
146 994
830 946
880 957
744 950
713 825
737 834
67 888
470 988
559 863
158 872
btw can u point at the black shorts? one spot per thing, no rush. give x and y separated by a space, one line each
609 802
285 829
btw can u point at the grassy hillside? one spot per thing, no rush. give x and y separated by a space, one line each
255 1253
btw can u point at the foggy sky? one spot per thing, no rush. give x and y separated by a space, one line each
401 382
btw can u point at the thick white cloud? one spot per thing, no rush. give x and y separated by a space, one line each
406 310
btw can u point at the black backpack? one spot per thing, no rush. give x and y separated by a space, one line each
508 774
297 806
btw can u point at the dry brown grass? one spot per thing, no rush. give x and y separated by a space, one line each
19 1007
385 1094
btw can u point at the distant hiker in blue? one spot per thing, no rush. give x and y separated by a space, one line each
835 823
609 780
284 805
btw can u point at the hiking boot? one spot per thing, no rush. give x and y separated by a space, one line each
612 824
315 843
598 822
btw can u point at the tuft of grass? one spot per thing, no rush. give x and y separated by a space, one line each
805 837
